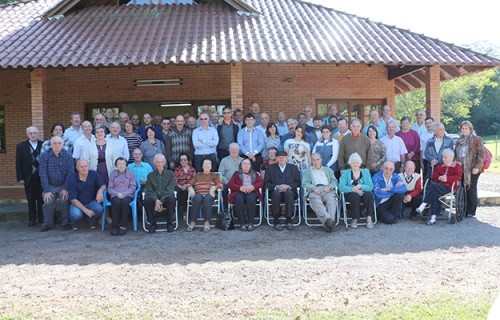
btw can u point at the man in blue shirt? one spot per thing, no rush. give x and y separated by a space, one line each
85 189
56 166
251 141
205 141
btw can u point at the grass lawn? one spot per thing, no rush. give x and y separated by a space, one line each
494 146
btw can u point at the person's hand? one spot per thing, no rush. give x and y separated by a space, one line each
64 194
172 165
48 197
212 192
434 162
399 183
120 195
443 178
158 206
407 198
317 190
89 213
475 171
191 192
21 181
99 197
326 189
360 192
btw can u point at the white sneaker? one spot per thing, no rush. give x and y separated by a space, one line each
421 208
431 221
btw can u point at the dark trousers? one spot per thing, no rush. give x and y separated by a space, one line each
413 204
168 205
205 204
471 195
198 161
245 202
258 162
426 170
120 210
355 201
388 211
434 191
182 196
33 191
276 198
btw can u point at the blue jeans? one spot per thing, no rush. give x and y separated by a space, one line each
203 202
76 214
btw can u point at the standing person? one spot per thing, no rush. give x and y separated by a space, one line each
470 153
376 122
251 142
387 116
123 116
228 133
281 124
292 125
298 150
343 129
282 180
57 130
255 108
413 182
389 191
205 141
316 134
121 190
75 130
355 142
307 110
302 120
419 125
181 142
85 141
394 146
272 139
191 123
109 114
133 139
151 146
28 175
424 137
165 136
264 121
214 119
85 189
238 118
117 142
328 148
333 125
332 112
136 121
100 156
183 174
411 140
245 185
148 123
319 185
56 166
435 145
100 121
159 188
376 153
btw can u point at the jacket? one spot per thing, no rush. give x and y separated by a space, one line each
159 186
235 183
307 180
474 156
453 174
366 183
379 183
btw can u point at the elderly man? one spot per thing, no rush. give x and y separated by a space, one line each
117 142
419 124
159 189
100 122
264 121
353 142
395 147
75 130
56 166
281 124
28 175
214 119
180 142
85 189
255 108
413 182
282 180
252 142
139 168
228 133
123 116
84 141
205 141
109 114
292 125
376 122
228 166
389 191
319 185
387 116
434 146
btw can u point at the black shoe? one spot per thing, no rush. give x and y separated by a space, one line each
122 231
251 228
170 228
67 227
152 228
278 227
289 226
329 225
470 216
415 217
31 223
44 228
114 231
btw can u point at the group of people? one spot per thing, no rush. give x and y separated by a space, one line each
382 164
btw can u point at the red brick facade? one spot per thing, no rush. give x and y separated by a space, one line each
68 90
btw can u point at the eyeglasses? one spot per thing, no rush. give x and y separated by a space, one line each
203 118
229 112
184 159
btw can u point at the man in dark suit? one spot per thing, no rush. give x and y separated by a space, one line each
282 180
27 174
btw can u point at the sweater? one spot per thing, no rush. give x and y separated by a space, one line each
350 145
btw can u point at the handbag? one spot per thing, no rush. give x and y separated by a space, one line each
224 220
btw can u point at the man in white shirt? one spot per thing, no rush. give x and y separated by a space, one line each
84 141
424 137
117 142
343 129
386 116
281 124
377 123
264 121
419 125
75 130
395 147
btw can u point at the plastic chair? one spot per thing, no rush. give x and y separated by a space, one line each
361 220
133 206
296 210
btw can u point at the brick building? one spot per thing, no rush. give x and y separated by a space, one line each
62 56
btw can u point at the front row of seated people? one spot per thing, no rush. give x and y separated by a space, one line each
388 191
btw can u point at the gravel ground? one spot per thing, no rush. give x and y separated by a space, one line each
89 274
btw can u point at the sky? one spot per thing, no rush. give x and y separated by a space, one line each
459 22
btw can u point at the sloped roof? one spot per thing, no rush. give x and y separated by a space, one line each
286 31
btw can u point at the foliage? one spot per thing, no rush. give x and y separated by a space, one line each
7 1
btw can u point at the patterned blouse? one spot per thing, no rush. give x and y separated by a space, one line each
376 156
182 178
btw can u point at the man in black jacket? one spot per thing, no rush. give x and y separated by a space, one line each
27 174
282 180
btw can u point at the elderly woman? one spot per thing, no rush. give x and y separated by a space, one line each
100 156
133 139
435 146
202 191
356 184
57 130
376 153
183 174
121 190
470 152
245 184
413 182
443 178
151 146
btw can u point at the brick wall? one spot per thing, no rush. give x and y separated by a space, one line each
70 89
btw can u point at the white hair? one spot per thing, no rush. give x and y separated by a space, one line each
354 156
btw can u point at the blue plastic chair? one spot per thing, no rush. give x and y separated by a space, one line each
133 205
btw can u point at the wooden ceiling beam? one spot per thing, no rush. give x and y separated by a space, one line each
401 71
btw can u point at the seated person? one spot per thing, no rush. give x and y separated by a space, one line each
85 189
443 178
282 180
271 158
413 182
228 166
121 188
433 150
159 189
202 191
183 174
356 184
319 185
389 192
244 185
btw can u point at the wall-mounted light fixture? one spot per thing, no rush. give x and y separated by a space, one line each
175 104
157 82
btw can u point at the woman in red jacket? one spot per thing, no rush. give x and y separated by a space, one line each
443 178
245 184
413 182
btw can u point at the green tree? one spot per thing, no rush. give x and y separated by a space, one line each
6 1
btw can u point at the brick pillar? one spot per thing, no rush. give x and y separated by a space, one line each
236 85
432 92
39 106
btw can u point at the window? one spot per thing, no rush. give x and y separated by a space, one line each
350 109
2 129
